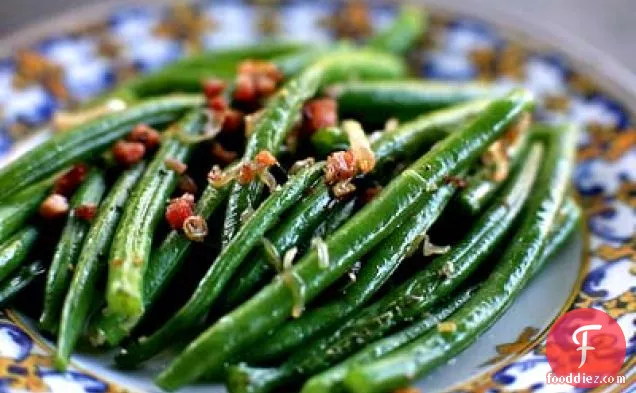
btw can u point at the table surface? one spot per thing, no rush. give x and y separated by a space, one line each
606 24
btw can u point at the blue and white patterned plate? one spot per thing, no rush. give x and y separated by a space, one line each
597 269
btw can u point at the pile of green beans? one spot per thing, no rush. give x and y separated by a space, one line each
282 110
82 294
65 256
518 263
296 283
414 297
130 251
85 141
378 219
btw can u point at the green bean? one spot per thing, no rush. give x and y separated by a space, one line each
132 243
87 140
329 139
167 258
91 263
264 50
165 262
183 81
224 266
481 188
385 258
376 101
411 137
283 109
303 219
14 251
10 287
336 219
186 74
408 27
291 64
329 380
518 263
407 301
17 209
187 78
408 140
68 249
274 303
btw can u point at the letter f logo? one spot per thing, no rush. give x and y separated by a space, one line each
583 344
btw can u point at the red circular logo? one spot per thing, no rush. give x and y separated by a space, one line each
585 348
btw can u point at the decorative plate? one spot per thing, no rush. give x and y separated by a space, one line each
61 68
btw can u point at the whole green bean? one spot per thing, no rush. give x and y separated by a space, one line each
407 301
283 109
408 27
518 263
165 262
411 137
376 101
132 243
274 303
85 141
10 287
14 251
68 249
384 259
91 263
224 266
16 210
329 380
481 188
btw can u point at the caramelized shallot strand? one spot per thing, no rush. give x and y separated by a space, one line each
429 248
288 258
322 250
302 164
297 288
496 159
360 146
63 121
195 228
268 179
343 189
